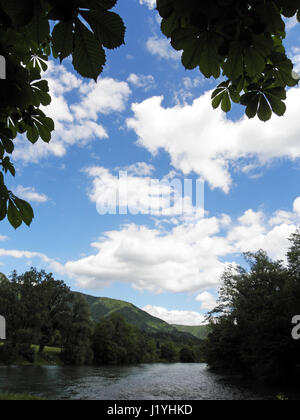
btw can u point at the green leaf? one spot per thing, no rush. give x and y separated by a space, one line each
234 66
13 215
20 12
255 63
169 25
278 107
8 145
45 134
63 39
264 110
192 55
165 7
210 60
107 4
32 134
25 210
3 208
89 56
38 29
183 37
217 100
226 102
108 27
251 101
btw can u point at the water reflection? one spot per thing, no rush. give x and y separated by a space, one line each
144 382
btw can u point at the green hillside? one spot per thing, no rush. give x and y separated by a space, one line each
199 332
104 308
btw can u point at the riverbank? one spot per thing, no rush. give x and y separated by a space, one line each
51 356
19 397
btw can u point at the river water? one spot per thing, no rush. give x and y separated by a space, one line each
143 382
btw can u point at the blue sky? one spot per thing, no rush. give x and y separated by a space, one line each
150 117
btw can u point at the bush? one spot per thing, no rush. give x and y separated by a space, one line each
26 352
8 354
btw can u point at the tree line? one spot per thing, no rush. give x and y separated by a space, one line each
251 328
43 312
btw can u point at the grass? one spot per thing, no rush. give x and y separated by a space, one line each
19 397
49 357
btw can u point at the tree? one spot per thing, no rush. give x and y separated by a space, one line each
242 41
187 355
251 327
168 352
76 333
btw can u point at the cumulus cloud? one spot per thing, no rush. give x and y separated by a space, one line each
150 3
30 194
28 255
189 258
76 122
212 142
207 300
161 47
141 81
175 317
140 169
135 191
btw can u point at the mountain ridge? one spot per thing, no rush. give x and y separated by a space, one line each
103 308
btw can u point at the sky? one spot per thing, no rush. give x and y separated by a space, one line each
150 118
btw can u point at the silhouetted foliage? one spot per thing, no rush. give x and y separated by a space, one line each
251 327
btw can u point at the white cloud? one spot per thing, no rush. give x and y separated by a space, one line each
192 83
189 258
3 238
76 123
141 81
207 300
291 23
296 206
30 194
162 48
105 97
175 317
140 169
150 3
141 193
28 255
205 141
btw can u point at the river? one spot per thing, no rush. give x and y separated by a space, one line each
144 382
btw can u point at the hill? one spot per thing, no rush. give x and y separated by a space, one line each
200 332
104 308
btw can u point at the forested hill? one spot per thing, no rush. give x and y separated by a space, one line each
201 331
104 308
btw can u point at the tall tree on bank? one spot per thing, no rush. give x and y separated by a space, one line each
242 41
251 326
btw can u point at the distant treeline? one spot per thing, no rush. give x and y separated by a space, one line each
251 329
43 312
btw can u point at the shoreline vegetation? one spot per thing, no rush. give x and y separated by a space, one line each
51 325
19 397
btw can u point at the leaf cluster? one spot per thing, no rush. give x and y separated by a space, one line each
240 41
30 32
